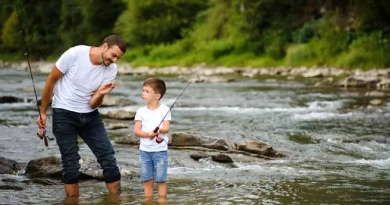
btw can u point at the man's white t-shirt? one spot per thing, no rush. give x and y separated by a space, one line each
150 119
80 79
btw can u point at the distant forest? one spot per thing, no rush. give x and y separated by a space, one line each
340 33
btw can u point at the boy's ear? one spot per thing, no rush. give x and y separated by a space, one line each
158 96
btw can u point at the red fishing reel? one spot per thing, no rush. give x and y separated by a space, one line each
158 138
43 136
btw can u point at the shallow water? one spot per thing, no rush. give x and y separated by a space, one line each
337 144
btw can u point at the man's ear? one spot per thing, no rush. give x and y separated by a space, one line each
104 46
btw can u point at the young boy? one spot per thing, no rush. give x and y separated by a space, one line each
153 146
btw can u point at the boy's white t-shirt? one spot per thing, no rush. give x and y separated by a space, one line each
150 119
80 79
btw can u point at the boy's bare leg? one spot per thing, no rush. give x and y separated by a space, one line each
148 187
162 193
162 189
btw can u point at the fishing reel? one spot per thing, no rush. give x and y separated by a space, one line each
158 138
41 133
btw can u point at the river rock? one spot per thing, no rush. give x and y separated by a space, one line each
8 166
51 167
191 139
45 167
119 114
376 102
256 147
116 126
221 158
130 139
357 82
10 99
313 73
109 101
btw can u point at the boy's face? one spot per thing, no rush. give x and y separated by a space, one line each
148 94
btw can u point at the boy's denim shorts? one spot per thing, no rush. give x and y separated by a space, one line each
154 165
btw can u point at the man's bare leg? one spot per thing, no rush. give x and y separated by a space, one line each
114 187
72 190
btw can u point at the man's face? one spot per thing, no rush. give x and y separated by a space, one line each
111 55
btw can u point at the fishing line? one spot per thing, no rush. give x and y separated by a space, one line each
158 127
41 132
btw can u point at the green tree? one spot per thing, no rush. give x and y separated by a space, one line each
71 30
6 9
157 21
10 36
99 18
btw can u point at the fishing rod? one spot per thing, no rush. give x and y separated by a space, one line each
158 139
41 133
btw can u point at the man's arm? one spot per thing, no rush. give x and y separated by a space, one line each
47 92
97 97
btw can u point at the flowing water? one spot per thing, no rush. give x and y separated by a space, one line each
337 145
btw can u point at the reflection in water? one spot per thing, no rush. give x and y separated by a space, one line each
71 200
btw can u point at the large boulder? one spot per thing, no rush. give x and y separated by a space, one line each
51 167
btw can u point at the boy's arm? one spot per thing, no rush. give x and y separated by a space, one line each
165 128
139 133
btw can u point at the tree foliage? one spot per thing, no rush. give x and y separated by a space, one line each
348 33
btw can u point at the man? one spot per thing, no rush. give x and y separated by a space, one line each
76 86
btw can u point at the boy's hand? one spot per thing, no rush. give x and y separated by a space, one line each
151 135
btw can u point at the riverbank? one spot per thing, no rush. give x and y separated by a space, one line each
358 78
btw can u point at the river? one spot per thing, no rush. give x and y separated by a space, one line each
337 144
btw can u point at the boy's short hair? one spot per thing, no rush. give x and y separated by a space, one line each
157 85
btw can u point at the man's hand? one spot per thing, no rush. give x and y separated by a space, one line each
97 97
106 88
41 122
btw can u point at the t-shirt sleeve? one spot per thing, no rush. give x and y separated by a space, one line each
111 74
64 62
138 115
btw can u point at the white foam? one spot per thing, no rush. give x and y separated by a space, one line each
377 163
243 110
325 105
321 116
